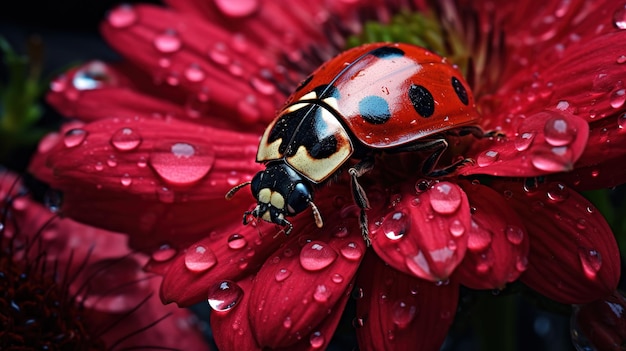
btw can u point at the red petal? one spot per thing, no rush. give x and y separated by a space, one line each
498 243
233 252
400 312
195 56
602 322
299 286
425 234
150 177
573 255
543 143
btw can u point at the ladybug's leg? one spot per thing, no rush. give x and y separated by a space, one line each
436 147
358 193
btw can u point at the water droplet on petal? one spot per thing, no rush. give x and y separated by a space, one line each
164 253
554 159
479 239
74 137
93 75
321 293
112 161
263 86
619 17
457 228
521 264
621 59
618 97
126 179
287 322
558 192
98 166
181 163
621 121
352 251
122 16
125 139
395 225
524 140
403 313
445 198
581 224
514 234
591 261
167 42
199 258
225 295
337 278
237 241
316 256
487 158
165 195
237 8
317 340
558 132
282 274
194 73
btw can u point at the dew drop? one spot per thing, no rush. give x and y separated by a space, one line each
514 234
125 139
199 258
618 97
521 264
287 323
317 340
619 17
554 159
479 239
194 73
621 59
403 313
457 228
321 293
422 185
165 195
167 42
341 232
395 225
445 198
225 295
524 140
237 8
487 158
282 274
337 278
352 251
126 180
263 86
219 54
122 16
558 132
316 256
237 241
59 84
164 253
93 75
181 163
621 121
74 137
558 192
112 161
591 261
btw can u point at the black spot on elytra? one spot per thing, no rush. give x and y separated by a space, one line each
326 91
422 100
387 52
374 109
460 90
304 82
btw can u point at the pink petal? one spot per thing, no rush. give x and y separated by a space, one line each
498 242
542 143
423 235
304 281
573 254
149 177
400 312
194 56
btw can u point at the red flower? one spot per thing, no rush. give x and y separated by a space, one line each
166 133
68 285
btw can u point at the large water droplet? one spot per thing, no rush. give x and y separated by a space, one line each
445 198
181 163
74 137
164 253
618 97
554 159
225 295
237 241
619 17
591 261
621 121
558 192
514 234
167 42
316 256
559 132
479 239
317 340
237 8
487 158
122 16
199 258
395 225
403 313
321 293
524 140
125 139
352 251
91 76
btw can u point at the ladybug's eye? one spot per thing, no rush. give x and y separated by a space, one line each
298 199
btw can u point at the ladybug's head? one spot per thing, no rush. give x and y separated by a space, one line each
280 192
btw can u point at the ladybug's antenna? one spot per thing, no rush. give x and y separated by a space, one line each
229 195
316 215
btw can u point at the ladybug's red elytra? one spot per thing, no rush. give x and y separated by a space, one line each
375 98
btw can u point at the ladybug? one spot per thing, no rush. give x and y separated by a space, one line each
371 99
